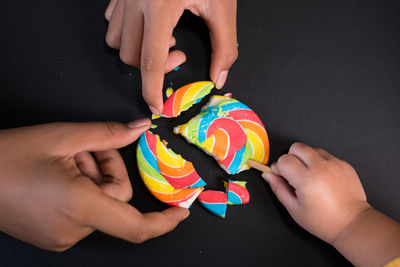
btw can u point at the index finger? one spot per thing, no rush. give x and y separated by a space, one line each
122 220
155 48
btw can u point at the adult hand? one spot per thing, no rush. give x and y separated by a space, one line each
54 192
322 193
142 31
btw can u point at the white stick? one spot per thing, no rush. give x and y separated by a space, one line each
259 166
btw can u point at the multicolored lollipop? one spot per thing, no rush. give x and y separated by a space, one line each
237 192
214 201
230 131
157 184
186 96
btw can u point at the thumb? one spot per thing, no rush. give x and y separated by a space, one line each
159 223
122 220
282 190
221 21
97 136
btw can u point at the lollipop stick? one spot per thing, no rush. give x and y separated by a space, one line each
259 166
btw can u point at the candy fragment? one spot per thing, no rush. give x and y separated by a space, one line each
237 192
229 131
169 91
178 172
156 182
185 97
214 201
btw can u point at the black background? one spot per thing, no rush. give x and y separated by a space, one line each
322 72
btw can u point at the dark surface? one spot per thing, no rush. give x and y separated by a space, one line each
325 73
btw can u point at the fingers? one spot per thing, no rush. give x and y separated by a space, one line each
114 31
291 168
172 42
155 48
175 59
221 21
110 9
132 34
323 153
72 138
115 182
283 191
125 32
108 171
88 166
121 220
305 153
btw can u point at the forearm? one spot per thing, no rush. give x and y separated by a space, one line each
371 239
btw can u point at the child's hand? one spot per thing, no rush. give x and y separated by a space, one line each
142 30
322 193
54 192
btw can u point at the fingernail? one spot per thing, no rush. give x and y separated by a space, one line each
273 167
154 110
266 176
138 123
221 79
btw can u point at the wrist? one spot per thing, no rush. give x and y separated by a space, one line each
370 239
359 214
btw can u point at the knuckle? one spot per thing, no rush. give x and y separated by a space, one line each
127 194
128 58
112 128
227 58
321 166
61 243
319 149
283 160
345 164
139 236
149 63
111 40
107 15
297 146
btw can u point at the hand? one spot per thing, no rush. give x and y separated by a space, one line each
142 30
53 192
322 193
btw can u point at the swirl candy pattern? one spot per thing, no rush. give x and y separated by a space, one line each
177 171
237 192
148 165
183 98
214 201
230 131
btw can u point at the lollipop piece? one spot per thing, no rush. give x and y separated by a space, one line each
214 201
153 179
230 131
237 192
177 171
224 137
186 96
